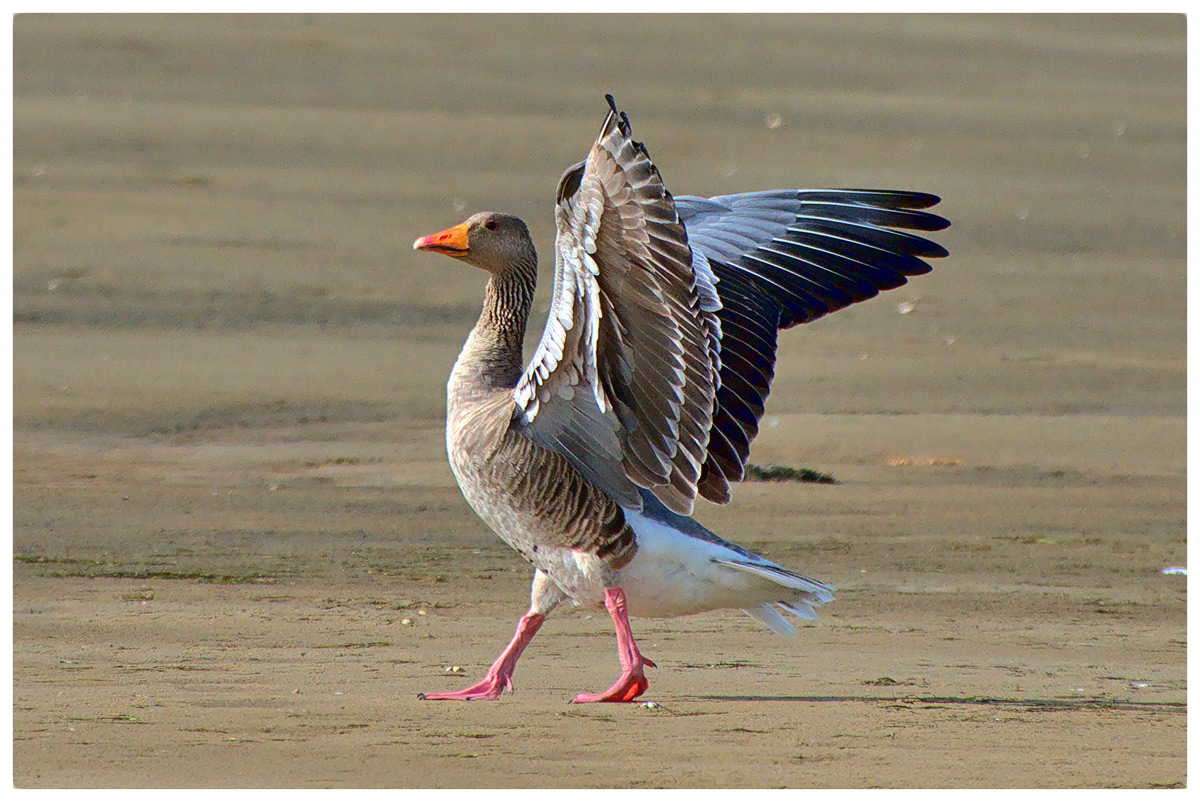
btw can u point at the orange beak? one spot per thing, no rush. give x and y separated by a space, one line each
452 242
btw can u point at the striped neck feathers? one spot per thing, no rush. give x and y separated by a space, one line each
493 356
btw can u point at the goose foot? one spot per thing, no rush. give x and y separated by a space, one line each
499 676
628 687
632 683
488 689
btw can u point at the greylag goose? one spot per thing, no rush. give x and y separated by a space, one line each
649 382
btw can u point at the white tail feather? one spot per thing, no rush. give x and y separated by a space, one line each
799 608
771 618
819 591
811 593
681 568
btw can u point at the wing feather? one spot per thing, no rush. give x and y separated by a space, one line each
659 350
785 257
634 319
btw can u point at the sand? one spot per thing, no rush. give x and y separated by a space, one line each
240 554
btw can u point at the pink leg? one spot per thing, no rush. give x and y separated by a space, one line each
632 682
499 676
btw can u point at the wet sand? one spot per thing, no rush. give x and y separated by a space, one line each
240 554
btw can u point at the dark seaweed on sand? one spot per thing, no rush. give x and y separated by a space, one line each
782 473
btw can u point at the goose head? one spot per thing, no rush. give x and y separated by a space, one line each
489 240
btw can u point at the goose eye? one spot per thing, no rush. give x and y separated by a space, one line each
490 225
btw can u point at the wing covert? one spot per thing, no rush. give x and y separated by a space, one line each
628 366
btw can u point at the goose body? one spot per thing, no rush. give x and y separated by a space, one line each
647 386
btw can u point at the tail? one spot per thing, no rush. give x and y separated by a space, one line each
801 594
796 594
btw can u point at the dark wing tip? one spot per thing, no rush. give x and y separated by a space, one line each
933 221
937 224
920 200
626 130
886 198
622 118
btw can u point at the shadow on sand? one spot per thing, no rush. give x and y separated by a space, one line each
917 702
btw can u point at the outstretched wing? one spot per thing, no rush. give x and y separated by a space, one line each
659 351
787 257
624 380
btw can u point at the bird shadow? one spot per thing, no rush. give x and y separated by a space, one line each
918 702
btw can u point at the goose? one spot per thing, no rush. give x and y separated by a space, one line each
648 384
